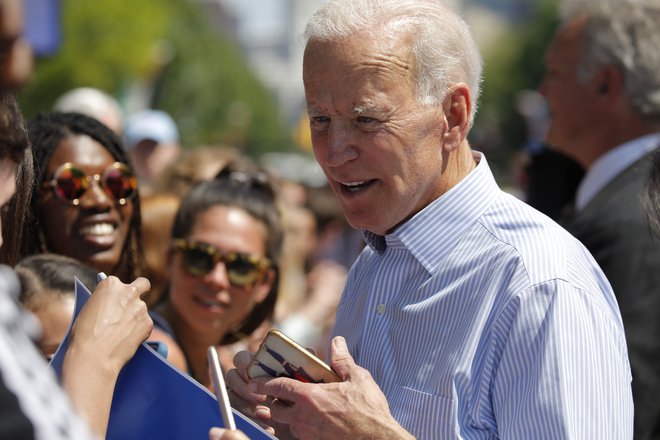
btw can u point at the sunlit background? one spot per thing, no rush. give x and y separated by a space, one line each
229 71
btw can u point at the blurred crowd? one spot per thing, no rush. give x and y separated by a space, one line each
109 190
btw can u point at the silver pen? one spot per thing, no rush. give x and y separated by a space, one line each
100 277
220 389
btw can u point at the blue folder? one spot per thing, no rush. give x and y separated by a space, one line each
152 399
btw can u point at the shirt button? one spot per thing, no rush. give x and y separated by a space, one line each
380 309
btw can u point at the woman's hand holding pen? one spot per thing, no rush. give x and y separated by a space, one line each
107 332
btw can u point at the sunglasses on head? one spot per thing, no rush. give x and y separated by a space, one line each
69 183
254 179
198 259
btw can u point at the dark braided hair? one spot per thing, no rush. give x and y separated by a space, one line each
46 131
253 192
13 146
13 139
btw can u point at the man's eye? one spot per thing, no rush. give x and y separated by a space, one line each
365 119
320 119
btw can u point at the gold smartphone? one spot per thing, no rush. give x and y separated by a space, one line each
281 356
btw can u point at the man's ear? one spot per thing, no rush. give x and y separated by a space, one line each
456 107
609 82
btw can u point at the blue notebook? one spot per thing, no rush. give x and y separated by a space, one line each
152 399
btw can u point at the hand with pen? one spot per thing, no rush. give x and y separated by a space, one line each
109 329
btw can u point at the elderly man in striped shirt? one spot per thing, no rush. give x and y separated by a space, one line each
468 314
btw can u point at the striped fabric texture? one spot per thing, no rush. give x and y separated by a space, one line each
481 318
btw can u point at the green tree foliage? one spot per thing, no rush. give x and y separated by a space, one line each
515 64
217 99
207 86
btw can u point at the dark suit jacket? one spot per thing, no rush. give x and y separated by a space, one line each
612 227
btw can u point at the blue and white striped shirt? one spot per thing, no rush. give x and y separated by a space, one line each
481 318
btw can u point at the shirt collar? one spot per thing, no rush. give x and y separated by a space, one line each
610 165
444 221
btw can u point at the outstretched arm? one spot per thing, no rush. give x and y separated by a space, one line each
106 334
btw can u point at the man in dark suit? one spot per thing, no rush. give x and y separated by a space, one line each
602 85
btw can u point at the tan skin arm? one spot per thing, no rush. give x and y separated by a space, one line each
175 355
106 334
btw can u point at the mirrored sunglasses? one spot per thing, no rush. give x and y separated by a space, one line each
199 259
69 183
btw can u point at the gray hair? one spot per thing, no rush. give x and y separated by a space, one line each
625 34
443 48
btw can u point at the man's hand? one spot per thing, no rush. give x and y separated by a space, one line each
251 404
354 408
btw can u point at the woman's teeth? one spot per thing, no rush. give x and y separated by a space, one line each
98 229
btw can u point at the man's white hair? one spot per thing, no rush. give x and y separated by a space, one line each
625 34
443 48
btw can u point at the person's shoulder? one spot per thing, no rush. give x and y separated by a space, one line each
542 246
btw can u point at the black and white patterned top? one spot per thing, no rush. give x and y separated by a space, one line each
32 403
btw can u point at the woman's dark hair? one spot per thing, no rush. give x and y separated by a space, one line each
13 142
253 192
13 146
52 272
651 195
46 131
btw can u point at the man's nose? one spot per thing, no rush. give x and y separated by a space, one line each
342 145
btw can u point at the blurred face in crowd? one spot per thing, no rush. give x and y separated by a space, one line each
95 231
209 303
572 103
54 312
379 148
16 60
7 184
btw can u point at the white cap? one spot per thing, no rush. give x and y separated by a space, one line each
92 102
150 124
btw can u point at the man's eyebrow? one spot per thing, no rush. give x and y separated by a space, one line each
365 108
312 108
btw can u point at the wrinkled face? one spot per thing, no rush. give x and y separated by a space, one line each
210 305
571 103
95 231
379 148
7 184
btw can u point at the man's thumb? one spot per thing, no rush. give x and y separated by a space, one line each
340 359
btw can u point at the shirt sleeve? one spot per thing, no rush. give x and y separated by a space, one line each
560 367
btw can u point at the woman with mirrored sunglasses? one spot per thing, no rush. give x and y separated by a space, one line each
85 202
223 265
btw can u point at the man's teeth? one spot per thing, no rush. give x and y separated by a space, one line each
354 186
97 229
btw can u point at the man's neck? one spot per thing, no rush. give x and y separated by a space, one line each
615 134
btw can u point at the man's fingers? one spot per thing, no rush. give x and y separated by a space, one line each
340 358
239 388
242 360
281 388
